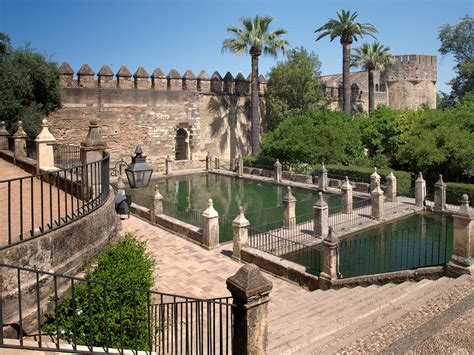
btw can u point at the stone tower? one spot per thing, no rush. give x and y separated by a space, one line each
411 81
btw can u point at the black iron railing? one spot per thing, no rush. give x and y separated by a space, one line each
427 244
361 212
66 155
275 244
106 317
34 205
183 213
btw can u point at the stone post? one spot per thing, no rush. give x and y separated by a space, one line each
168 165
323 178
346 190
208 162
217 163
440 195
20 141
321 217
420 190
377 199
462 259
374 180
391 188
3 136
250 291
92 150
44 148
156 206
210 226
240 171
289 202
330 270
240 234
277 171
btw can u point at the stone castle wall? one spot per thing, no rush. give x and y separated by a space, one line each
409 83
213 111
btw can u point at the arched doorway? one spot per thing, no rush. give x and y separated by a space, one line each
182 144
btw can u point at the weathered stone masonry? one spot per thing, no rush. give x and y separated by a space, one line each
210 113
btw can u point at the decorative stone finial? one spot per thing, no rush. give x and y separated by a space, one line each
347 184
210 212
240 220
289 196
210 203
331 238
375 174
3 130
465 209
20 132
420 177
321 202
323 168
248 282
277 163
440 181
377 189
94 139
391 176
45 135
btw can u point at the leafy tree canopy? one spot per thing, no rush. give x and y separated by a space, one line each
458 40
293 86
29 86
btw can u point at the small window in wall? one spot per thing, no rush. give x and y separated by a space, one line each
182 144
376 87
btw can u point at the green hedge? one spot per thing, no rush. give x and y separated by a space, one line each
455 190
127 264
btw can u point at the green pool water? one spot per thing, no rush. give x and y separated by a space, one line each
261 202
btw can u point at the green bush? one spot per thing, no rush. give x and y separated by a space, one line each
455 190
97 312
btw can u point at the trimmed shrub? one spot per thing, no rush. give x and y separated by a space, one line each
455 190
114 311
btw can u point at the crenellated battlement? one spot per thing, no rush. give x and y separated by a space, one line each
412 67
173 81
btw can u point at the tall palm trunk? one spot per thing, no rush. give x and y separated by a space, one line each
370 71
255 104
346 79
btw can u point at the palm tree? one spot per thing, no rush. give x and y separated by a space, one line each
372 57
256 39
348 30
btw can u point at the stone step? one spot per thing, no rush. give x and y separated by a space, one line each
346 329
317 329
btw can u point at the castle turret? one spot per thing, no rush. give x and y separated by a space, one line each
411 81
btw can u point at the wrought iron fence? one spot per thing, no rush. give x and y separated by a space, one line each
34 205
107 318
66 155
427 244
307 255
225 228
361 212
183 213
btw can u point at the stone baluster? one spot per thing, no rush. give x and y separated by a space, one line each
289 203
277 171
391 188
420 190
321 217
330 270
323 178
20 137
240 234
250 291
462 259
440 195
377 200
346 190
3 136
44 148
210 226
374 180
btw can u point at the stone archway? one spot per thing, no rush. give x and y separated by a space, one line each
182 144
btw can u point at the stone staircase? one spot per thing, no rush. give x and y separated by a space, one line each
327 321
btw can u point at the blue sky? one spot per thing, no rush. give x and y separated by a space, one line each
188 34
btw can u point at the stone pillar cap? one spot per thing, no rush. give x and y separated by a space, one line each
375 174
45 135
20 132
157 195
289 196
465 209
248 282
277 163
347 184
420 177
168 158
210 212
3 130
440 181
391 176
323 169
377 190
93 139
320 202
331 238
240 220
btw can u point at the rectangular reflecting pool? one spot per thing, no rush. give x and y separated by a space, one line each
261 202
